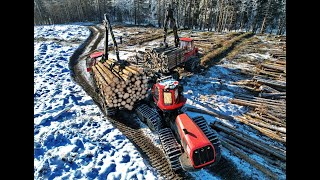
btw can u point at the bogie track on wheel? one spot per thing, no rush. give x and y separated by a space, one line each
211 135
171 147
149 116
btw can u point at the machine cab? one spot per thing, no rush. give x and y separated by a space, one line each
94 58
167 94
186 43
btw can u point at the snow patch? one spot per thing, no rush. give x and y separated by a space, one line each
72 140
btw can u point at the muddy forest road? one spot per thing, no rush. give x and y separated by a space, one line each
132 130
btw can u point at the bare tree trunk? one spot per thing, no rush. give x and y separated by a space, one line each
225 17
263 25
231 21
40 14
178 14
235 24
221 16
241 21
139 19
189 14
218 16
99 10
158 13
205 15
213 18
193 9
280 26
184 16
135 12
163 11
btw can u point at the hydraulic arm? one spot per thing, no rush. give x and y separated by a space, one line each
169 17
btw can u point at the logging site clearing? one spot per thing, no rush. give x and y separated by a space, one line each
239 88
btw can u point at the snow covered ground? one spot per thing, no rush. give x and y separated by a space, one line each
72 139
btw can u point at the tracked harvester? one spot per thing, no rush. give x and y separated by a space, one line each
188 143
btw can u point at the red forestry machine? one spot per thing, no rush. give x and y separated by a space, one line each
166 58
188 143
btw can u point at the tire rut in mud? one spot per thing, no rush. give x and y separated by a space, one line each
132 131
76 71
100 37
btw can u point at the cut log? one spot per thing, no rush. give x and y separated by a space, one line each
272 95
274 118
109 80
263 131
275 83
98 75
126 83
267 120
242 155
247 146
268 89
124 70
252 103
212 113
236 144
260 100
270 74
108 72
261 124
247 139
274 66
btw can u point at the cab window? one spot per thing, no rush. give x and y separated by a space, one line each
167 98
156 93
192 44
184 45
176 95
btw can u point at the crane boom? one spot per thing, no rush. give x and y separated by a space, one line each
169 17
108 27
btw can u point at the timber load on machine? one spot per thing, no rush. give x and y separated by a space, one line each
119 84
166 58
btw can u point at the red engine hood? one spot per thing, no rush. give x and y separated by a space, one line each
194 138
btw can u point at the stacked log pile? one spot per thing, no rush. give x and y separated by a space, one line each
163 59
243 145
265 115
120 87
139 36
206 43
137 58
269 79
275 69
267 105
266 112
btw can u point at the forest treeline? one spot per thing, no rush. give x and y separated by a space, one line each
258 16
